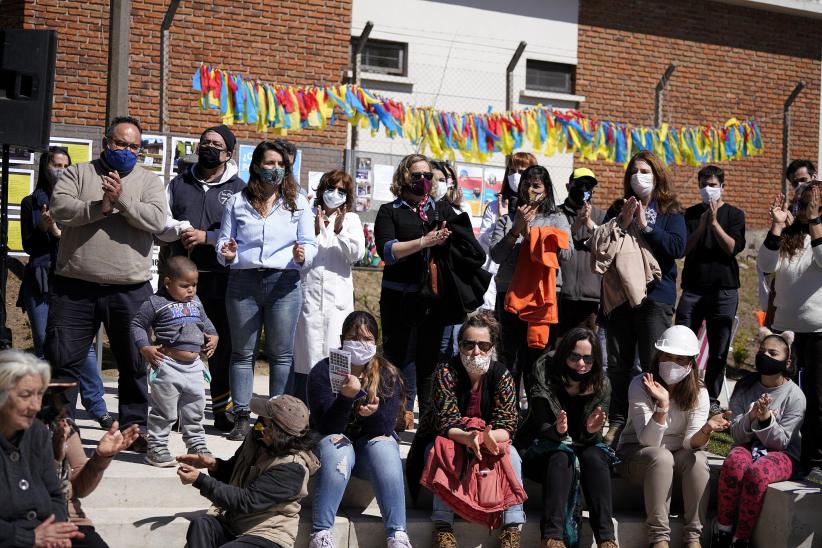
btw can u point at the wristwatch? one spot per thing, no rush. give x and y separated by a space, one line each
817 221
658 409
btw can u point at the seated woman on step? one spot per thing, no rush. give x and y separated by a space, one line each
358 425
768 409
562 440
666 434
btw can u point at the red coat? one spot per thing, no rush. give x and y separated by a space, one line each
477 490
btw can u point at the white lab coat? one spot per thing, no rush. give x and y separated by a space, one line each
489 220
328 291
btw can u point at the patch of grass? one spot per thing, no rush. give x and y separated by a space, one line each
720 444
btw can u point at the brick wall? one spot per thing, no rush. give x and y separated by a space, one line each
732 61
282 41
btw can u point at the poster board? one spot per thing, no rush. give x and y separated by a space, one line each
181 147
20 155
15 237
21 184
153 155
78 149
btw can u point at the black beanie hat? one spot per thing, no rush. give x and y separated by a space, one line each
225 133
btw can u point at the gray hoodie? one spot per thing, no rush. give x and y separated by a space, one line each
178 325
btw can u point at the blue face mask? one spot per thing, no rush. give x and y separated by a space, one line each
122 161
272 176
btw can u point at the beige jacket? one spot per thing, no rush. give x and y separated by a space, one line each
114 248
626 262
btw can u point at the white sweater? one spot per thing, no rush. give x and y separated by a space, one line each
679 427
798 287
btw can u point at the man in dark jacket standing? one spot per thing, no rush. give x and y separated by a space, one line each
196 199
579 298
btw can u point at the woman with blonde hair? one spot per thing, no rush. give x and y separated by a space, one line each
328 287
405 231
358 428
666 434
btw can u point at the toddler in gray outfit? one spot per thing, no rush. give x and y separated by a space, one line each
181 331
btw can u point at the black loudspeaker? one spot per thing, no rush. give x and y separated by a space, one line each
27 60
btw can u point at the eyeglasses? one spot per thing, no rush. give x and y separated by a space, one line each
574 357
417 175
119 145
213 144
468 346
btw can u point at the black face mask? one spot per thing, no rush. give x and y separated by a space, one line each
575 375
766 365
208 158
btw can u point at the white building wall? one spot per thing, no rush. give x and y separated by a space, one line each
457 56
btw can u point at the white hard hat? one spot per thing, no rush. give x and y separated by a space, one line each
678 340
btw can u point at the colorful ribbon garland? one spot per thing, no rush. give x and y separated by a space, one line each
475 135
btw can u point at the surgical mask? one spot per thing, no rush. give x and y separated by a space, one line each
208 157
642 184
710 194
361 352
56 173
121 161
334 198
767 365
441 189
513 181
672 372
476 363
273 177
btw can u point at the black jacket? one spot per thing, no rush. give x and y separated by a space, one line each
29 485
579 281
459 261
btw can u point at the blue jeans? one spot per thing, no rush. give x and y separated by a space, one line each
257 298
376 460
449 345
91 385
513 515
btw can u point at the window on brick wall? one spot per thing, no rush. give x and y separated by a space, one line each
384 57
546 76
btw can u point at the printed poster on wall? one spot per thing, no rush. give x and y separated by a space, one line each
383 174
180 148
15 237
470 179
492 186
362 182
20 155
244 161
153 155
21 184
78 149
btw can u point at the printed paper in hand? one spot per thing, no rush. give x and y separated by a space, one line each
339 367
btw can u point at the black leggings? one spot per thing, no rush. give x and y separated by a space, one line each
91 540
808 348
209 532
595 478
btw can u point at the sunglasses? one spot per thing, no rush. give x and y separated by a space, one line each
468 346
574 357
417 175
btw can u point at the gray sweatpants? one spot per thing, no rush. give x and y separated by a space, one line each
177 388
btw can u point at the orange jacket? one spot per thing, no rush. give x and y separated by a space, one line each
532 294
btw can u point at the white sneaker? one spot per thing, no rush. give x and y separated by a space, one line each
322 539
399 540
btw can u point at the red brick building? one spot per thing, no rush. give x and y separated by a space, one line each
732 60
300 43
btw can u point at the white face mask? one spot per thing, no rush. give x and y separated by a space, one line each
642 184
477 364
334 198
710 194
672 372
513 181
361 352
440 190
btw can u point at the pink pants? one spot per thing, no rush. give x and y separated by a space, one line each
742 486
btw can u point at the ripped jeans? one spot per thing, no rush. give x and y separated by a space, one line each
376 460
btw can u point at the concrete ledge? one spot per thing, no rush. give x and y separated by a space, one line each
791 516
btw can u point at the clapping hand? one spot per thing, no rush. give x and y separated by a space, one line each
338 222
640 215
562 423
369 409
229 250
319 221
523 218
112 188
779 211
628 212
191 237
813 204
596 421
720 421
187 474
115 441
760 411
299 253
198 461
655 390
56 534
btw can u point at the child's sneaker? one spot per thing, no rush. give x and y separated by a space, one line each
199 450
159 456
